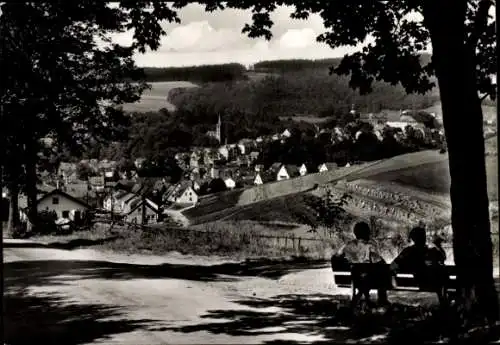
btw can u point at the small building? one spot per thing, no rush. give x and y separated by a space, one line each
224 152
241 148
259 167
258 180
230 184
329 166
275 167
286 133
263 177
254 155
303 170
119 202
194 160
287 171
183 193
140 206
139 162
63 204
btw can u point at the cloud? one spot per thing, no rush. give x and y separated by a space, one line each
202 37
212 38
298 38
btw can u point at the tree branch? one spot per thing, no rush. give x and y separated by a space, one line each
480 23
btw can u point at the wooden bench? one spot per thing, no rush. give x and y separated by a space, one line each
380 276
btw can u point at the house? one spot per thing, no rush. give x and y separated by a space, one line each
286 133
259 167
243 161
139 162
141 206
275 167
184 194
254 155
63 204
119 201
258 180
303 170
241 148
194 159
224 151
215 172
287 171
327 167
68 172
96 182
230 184
208 158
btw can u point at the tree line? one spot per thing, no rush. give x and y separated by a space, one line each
306 92
201 74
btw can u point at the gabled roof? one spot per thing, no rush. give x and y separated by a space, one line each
275 166
291 169
329 165
265 177
66 195
148 205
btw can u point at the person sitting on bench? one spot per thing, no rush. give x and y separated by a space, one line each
425 262
358 253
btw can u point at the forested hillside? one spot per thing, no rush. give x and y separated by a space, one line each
297 87
200 74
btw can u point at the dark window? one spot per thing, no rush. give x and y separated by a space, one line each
55 200
65 214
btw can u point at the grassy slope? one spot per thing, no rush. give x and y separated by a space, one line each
426 172
156 98
435 177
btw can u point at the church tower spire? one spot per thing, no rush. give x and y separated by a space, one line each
218 129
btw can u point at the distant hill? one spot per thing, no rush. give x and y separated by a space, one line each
287 88
299 91
197 74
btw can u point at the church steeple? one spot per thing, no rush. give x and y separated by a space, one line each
218 129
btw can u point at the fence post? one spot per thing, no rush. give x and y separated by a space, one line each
293 241
300 238
286 241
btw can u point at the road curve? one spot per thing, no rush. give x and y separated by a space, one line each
86 296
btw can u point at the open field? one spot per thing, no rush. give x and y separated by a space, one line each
157 97
422 177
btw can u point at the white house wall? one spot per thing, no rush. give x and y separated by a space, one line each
64 204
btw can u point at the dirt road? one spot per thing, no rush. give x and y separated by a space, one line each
85 296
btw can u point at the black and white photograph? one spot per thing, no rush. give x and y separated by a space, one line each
246 172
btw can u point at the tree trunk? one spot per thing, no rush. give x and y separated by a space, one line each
463 123
14 220
31 187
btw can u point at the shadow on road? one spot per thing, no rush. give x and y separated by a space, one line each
51 320
72 244
329 317
41 272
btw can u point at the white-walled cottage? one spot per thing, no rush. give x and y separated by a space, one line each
287 171
327 167
63 204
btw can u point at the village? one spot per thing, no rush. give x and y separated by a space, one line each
125 195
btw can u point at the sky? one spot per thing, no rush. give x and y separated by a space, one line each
213 38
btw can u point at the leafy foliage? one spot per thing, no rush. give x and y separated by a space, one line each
290 90
325 211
